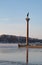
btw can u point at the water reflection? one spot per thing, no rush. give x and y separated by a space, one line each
16 54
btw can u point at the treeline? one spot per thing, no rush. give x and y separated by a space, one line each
12 39
17 39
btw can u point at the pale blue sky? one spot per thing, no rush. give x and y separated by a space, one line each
13 14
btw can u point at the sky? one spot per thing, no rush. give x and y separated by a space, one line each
13 14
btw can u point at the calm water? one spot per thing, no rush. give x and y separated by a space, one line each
10 54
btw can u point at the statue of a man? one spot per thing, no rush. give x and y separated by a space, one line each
27 14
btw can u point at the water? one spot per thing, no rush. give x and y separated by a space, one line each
10 54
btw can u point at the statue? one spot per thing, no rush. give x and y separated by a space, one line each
27 14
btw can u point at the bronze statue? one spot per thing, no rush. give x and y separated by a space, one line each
27 14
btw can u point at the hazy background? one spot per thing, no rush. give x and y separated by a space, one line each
13 14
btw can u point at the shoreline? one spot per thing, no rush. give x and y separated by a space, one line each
29 46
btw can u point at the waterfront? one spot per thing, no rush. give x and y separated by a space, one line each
10 54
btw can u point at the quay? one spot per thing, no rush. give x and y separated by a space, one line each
27 46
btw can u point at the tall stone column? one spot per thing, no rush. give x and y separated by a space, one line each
27 21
